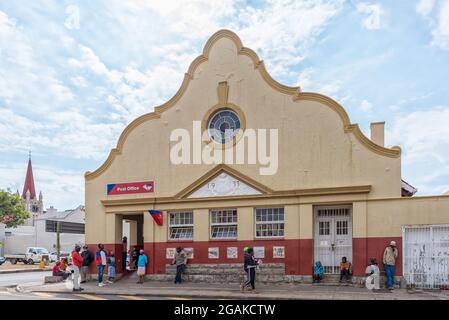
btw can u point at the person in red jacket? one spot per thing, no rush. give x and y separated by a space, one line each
77 262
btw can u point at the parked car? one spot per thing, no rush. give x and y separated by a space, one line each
32 255
62 254
2 260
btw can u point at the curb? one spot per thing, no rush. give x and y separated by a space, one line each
22 270
190 295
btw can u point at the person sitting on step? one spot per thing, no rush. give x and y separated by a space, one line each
345 269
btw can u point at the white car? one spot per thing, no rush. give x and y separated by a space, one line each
54 256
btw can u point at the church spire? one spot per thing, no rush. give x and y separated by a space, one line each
29 181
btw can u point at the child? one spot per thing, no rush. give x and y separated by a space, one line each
111 267
373 271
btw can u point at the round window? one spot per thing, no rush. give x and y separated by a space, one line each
223 126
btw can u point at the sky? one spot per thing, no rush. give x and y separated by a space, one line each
73 74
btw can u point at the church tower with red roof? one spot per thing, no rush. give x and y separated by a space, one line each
33 204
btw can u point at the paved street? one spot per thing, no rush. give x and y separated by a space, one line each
31 287
12 294
13 279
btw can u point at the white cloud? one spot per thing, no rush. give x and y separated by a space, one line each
424 7
366 106
373 12
437 13
63 189
423 135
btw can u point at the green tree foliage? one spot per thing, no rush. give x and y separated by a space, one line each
12 211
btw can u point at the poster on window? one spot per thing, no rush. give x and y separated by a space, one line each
213 253
189 253
232 253
170 253
259 252
278 252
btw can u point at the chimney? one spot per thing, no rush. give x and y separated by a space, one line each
378 133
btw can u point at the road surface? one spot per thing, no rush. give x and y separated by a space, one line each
13 279
12 294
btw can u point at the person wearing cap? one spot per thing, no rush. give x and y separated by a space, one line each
77 261
389 260
141 266
88 258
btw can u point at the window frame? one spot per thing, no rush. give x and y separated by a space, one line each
170 226
266 222
223 224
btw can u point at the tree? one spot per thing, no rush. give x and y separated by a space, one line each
12 211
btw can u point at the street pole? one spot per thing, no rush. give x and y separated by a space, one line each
58 243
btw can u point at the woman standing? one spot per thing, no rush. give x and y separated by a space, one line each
141 266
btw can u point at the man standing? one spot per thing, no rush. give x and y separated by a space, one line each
389 260
88 258
124 253
77 261
135 257
180 261
100 261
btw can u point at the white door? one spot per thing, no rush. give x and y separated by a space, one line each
333 236
426 256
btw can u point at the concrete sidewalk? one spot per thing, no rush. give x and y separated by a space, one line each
128 286
24 270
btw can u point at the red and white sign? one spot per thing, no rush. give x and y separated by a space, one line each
130 187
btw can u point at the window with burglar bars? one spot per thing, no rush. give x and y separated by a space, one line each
180 225
324 228
333 212
223 224
269 222
342 227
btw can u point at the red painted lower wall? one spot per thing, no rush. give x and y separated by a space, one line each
116 248
365 248
298 253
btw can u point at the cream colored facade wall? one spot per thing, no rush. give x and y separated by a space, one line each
306 221
314 152
291 218
386 218
201 220
245 223
359 219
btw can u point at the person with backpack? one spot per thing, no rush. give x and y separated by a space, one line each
77 264
249 266
100 261
88 258
141 266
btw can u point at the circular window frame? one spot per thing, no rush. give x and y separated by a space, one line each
212 112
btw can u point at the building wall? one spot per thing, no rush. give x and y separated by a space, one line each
320 153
